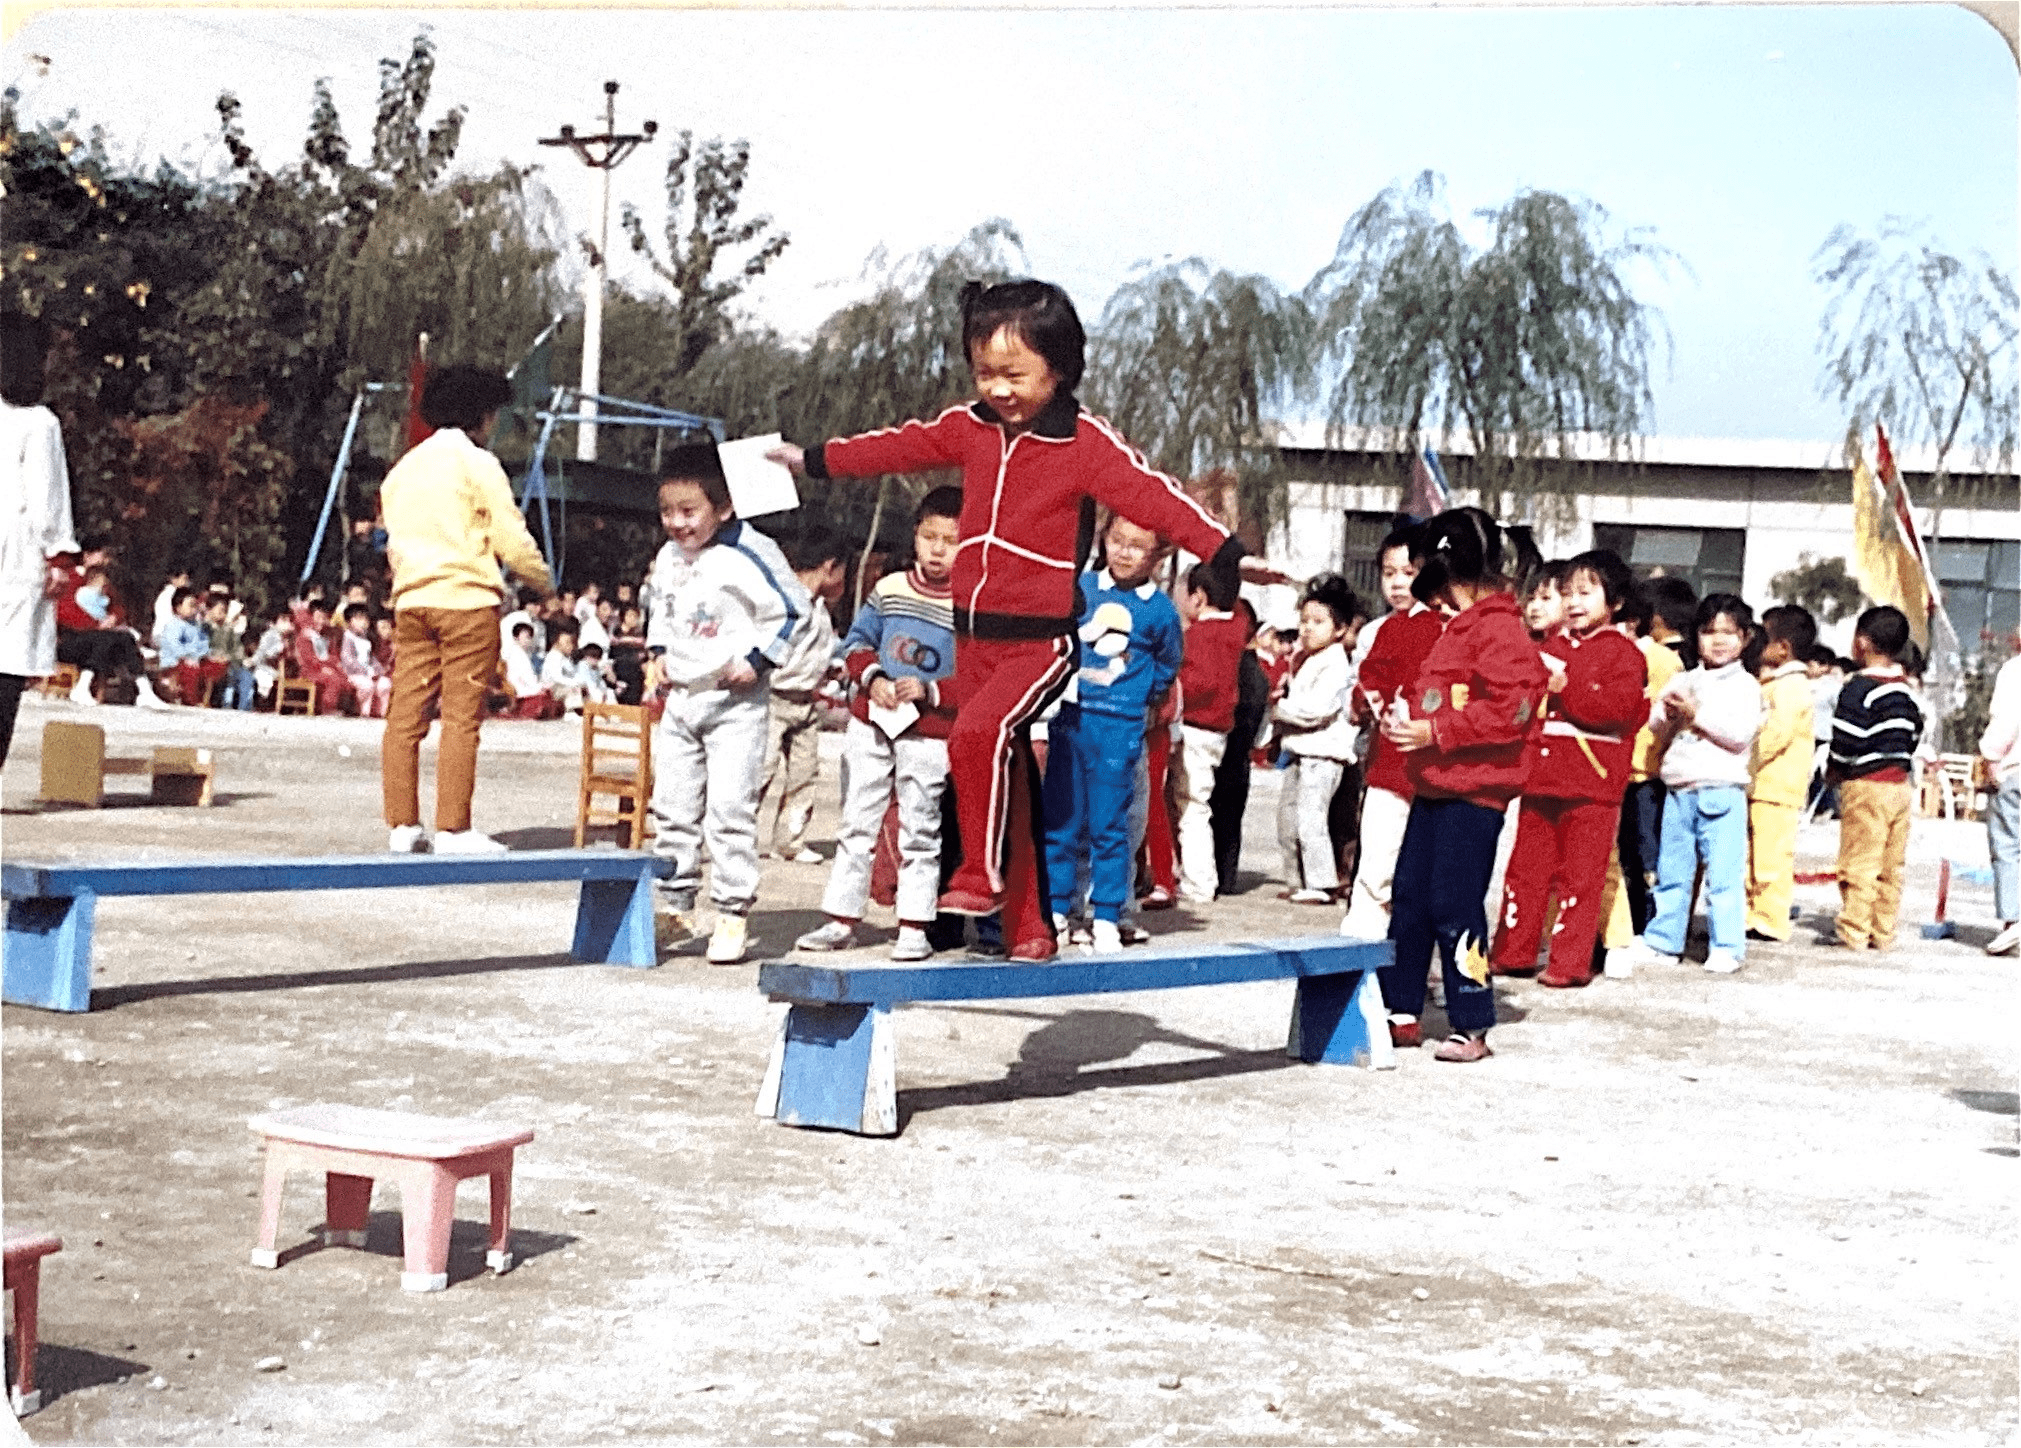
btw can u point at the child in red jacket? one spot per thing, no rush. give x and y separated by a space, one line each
1572 800
1031 459
1464 729
1208 685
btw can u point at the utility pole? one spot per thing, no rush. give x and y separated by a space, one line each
600 153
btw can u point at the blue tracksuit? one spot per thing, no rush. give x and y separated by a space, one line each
1131 648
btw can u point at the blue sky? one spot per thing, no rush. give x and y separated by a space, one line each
1739 136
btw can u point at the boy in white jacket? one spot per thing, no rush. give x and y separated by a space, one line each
1709 717
721 608
1313 723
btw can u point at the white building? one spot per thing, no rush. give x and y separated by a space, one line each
1728 515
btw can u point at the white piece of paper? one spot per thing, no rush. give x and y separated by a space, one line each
894 722
757 485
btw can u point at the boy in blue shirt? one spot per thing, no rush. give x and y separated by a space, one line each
1131 646
898 652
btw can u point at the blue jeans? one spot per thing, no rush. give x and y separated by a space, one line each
1091 780
1708 823
2003 840
239 690
1439 898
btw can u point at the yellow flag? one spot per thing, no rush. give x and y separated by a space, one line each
1887 571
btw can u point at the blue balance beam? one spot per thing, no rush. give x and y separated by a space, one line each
50 907
834 1064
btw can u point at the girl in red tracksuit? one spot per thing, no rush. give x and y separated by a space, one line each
1572 800
1031 459
1464 728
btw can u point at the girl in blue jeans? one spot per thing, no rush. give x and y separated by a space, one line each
1709 717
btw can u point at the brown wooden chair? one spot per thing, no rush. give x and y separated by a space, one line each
292 694
617 762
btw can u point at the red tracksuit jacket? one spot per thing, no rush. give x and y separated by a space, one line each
1210 675
1021 500
1482 687
1402 644
1589 727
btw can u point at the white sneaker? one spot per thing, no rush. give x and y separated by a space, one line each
831 935
912 944
407 840
1641 952
468 842
726 944
1108 938
1720 963
806 856
145 697
2008 941
80 692
1620 963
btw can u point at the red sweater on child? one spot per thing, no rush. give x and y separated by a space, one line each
1589 727
1021 496
1210 675
1402 644
1482 688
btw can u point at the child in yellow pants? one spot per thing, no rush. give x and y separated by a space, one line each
1781 771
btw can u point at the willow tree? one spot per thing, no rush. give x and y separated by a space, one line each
1532 348
1197 366
1922 341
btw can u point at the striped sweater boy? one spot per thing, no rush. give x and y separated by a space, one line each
1877 726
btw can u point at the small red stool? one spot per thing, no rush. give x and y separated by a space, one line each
425 1156
23 1255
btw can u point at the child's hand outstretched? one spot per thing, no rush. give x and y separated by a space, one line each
790 457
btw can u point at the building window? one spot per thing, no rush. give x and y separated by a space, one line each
1982 589
1361 565
1709 559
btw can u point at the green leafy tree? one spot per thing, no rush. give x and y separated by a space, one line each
1821 585
1196 366
1529 348
1922 341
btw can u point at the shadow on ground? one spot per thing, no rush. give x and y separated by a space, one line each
60 1370
106 997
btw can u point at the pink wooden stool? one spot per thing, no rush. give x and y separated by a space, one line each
24 1252
426 1156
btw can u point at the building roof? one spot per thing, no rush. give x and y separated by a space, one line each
1701 452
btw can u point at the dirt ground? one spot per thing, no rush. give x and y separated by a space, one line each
1677 1209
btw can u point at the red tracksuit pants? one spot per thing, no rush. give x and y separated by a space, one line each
1561 852
1003 686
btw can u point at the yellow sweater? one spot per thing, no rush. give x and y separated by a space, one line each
1782 750
450 521
1664 665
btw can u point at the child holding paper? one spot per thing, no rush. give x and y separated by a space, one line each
899 651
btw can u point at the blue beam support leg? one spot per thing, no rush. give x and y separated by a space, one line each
836 1069
1338 1019
614 921
48 952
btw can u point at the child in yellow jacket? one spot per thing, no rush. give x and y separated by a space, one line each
1781 771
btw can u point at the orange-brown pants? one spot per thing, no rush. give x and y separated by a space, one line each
1873 843
446 654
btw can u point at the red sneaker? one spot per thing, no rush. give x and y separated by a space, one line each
1463 1048
1406 1035
1512 972
1034 952
1564 982
1159 898
970 902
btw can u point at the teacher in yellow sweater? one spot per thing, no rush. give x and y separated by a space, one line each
450 523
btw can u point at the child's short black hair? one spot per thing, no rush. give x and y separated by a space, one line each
1405 535
1823 655
1221 589
1461 545
943 502
811 548
1752 650
522 627
591 651
357 610
1886 630
1331 592
182 596
1546 574
1673 600
1634 609
1716 606
696 462
1617 580
1793 625
1038 314
462 397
